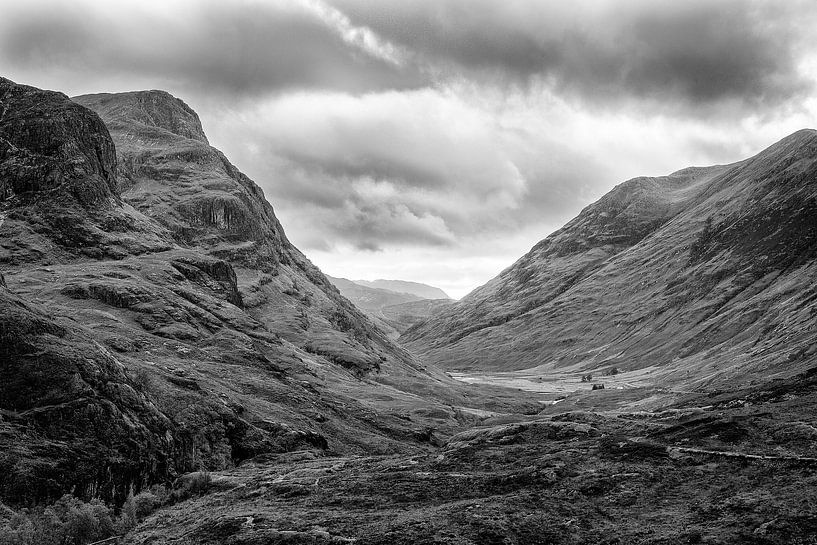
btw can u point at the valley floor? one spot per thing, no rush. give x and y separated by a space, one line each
557 382
733 467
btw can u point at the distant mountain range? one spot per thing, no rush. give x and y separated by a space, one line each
401 286
702 278
393 310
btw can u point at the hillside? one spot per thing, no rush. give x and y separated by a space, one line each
701 278
154 318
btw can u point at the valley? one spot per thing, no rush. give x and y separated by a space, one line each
161 338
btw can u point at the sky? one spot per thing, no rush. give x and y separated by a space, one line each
438 140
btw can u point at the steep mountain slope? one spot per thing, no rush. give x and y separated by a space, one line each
415 288
183 332
703 276
171 174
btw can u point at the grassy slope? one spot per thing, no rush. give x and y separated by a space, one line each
706 275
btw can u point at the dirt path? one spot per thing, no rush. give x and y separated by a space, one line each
733 454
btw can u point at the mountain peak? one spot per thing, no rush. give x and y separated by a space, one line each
48 142
152 108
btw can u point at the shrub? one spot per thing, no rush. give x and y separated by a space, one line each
200 482
84 522
127 517
142 378
148 501
192 484
70 521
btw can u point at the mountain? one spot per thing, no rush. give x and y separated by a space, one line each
402 286
369 298
155 319
643 268
704 277
393 311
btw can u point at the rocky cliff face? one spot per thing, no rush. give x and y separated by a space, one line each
154 319
172 175
50 144
58 190
705 275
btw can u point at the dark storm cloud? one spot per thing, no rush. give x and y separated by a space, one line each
695 53
453 129
698 52
203 47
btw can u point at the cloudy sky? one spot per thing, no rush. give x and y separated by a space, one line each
438 140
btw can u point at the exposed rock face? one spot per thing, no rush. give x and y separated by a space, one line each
174 176
47 143
170 172
138 342
706 274
58 189
67 403
149 109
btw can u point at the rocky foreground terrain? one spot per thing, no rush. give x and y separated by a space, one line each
562 477
159 336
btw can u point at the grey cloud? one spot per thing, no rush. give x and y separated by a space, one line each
366 224
402 173
335 199
205 47
695 52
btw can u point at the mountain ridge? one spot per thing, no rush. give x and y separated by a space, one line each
682 247
403 286
393 311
